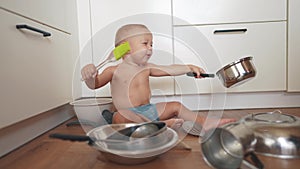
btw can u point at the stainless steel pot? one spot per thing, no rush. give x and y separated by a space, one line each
277 134
226 147
237 72
126 151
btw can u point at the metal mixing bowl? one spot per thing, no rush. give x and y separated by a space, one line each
88 111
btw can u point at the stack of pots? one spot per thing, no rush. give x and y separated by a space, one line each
268 135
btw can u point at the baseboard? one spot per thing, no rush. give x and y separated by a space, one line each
18 134
228 101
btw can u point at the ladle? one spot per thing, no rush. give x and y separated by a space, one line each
143 130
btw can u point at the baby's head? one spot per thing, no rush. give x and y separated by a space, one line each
128 31
140 40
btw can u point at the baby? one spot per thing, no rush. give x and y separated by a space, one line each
130 87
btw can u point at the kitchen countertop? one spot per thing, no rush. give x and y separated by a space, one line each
47 153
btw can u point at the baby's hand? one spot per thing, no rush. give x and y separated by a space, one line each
89 72
196 70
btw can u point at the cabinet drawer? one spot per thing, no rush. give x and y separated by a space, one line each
55 13
227 11
266 42
35 71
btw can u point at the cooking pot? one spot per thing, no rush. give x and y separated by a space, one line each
226 147
277 134
235 73
127 151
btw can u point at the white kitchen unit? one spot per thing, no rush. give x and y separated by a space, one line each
54 13
220 33
36 69
293 80
227 11
107 16
264 41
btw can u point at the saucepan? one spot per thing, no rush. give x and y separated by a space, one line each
226 147
235 73
124 150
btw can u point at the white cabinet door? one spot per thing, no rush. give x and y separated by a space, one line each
36 71
293 47
55 13
266 42
107 16
227 11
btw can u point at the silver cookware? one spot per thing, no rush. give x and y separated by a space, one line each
235 73
226 147
124 150
277 134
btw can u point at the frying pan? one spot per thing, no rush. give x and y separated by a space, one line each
126 151
143 130
235 73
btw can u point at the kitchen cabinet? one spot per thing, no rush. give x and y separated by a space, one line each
293 81
213 34
54 13
264 41
107 16
229 11
36 71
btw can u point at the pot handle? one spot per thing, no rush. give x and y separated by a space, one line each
255 160
193 74
71 137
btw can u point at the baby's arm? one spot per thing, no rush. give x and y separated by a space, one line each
94 80
174 70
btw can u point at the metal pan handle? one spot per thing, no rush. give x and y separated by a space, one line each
193 74
70 137
255 160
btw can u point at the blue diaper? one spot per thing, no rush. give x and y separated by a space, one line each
148 110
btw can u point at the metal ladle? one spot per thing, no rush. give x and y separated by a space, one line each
143 130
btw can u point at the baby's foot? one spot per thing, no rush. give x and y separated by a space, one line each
174 123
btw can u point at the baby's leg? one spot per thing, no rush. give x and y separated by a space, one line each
127 116
168 110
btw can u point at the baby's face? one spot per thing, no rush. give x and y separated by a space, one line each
141 48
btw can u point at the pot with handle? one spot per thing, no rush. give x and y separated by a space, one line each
124 150
235 73
226 147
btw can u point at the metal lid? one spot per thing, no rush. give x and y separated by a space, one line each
272 117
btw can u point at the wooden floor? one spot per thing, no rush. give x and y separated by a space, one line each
46 153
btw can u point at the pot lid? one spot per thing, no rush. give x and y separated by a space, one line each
272 117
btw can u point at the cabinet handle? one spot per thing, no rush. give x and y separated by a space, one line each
243 30
24 26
